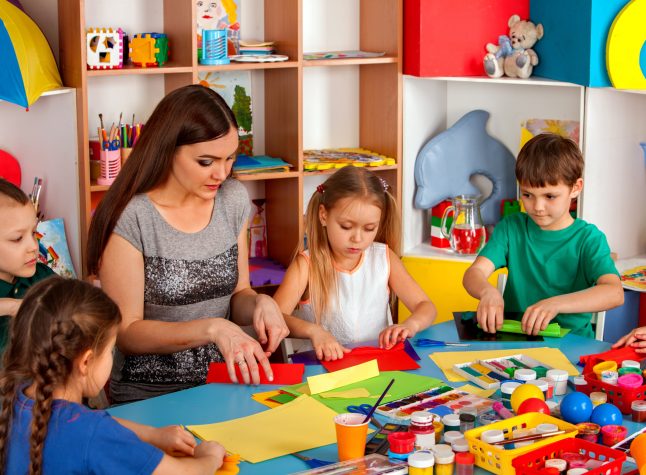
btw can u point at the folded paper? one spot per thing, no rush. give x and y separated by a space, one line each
283 373
394 359
330 381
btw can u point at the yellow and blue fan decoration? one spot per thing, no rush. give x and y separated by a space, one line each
27 65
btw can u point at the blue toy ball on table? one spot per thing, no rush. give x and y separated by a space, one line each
606 414
576 407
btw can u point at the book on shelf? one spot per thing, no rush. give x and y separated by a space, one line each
259 164
342 55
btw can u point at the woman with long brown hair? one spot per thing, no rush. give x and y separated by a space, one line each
169 243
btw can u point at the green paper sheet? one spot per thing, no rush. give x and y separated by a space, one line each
405 384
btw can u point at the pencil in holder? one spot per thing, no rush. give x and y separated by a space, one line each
110 166
125 153
214 47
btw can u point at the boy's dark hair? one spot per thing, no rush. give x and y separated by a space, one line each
549 159
12 192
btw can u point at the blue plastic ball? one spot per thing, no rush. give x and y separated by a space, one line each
576 407
606 414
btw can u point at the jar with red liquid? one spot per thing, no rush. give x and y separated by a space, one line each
466 233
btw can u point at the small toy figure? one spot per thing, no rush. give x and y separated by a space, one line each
149 49
104 48
514 56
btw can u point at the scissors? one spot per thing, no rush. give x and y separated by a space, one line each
424 342
111 144
365 410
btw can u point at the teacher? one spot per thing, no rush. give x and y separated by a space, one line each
169 244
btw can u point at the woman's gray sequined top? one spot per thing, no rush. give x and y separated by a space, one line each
187 276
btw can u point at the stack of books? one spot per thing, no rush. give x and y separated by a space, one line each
245 164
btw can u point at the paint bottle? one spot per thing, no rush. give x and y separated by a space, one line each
630 364
598 397
464 463
609 377
613 434
577 471
630 381
444 463
588 431
421 463
506 389
517 433
546 428
525 374
421 424
402 444
460 445
559 464
604 366
559 377
467 422
550 387
579 383
439 429
451 422
638 409
492 436
452 436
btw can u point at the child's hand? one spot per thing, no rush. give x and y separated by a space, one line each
210 448
636 339
394 334
538 316
174 440
491 310
326 346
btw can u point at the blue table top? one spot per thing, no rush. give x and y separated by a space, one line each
220 402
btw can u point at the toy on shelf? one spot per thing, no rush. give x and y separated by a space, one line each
437 238
149 49
513 56
508 207
326 159
104 48
214 47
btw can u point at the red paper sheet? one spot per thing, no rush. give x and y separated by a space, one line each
395 359
283 374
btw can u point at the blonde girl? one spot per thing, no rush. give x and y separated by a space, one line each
342 283
61 351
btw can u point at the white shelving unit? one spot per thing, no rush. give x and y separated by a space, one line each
612 122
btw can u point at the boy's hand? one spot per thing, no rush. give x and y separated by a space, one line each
491 310
636 339
174 440
538 316
210 448
396 333
326 346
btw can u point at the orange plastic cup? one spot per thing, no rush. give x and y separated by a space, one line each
351 433
638 452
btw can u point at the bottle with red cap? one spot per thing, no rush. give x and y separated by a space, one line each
464 463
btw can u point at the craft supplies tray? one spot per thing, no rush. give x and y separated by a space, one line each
532 463
506 365
479 375
450 400
497 459
373 464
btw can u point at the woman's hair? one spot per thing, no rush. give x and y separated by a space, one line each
188 115
348 182
11 193
549 159
58 321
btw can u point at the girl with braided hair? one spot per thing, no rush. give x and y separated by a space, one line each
342 282
60 351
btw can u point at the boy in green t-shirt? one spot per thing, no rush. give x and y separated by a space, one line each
559 267
19 268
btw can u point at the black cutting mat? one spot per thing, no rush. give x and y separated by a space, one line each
468 330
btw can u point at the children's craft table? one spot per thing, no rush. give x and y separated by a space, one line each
221 402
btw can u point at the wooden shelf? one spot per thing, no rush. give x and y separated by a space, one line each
168 68
266 176
241 66
332 170
94 187
310 63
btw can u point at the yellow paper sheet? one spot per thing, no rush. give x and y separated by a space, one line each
301 424
550 356
330 381
347 394
469 388
263 398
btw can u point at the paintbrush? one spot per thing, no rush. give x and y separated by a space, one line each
372 409
101 120
528 438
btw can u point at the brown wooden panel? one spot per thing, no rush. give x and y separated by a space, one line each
180 26
381 26
283 115
283 25
175 81
284 210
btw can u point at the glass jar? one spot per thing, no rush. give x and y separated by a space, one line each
464 463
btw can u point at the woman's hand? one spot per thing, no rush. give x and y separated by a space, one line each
269 323
636 339
173 440
240 349
327 348
396 333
